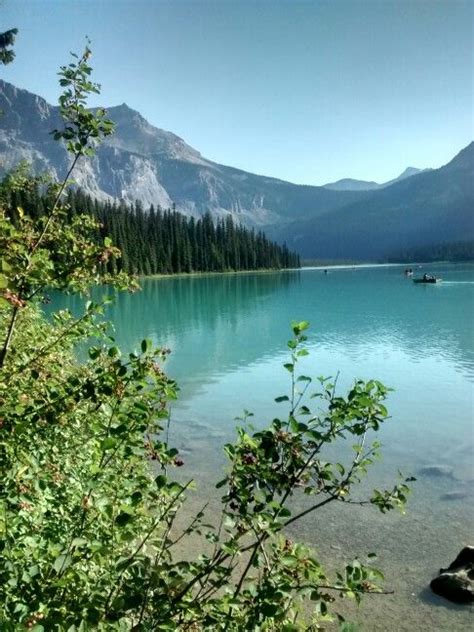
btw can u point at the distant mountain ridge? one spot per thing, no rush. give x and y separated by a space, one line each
432 207
349 219
349 184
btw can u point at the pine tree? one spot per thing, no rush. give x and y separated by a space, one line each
7 39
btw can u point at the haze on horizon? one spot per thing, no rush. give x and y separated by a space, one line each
309 92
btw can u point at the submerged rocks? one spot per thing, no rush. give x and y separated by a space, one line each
456 582
437 471
457 494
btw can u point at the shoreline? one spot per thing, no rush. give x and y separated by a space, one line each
303 268
188 275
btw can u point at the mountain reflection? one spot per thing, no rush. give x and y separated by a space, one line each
216 324
211 323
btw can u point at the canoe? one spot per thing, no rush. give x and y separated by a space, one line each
432 280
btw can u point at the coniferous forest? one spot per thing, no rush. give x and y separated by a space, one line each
157 241
449 251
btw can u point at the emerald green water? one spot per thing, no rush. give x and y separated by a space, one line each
228 338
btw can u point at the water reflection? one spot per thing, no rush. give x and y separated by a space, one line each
210 323
221 323
216 324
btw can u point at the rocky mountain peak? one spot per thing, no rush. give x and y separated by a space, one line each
409 171
146 163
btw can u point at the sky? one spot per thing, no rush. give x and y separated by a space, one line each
307 91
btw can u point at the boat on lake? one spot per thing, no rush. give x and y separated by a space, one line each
427 278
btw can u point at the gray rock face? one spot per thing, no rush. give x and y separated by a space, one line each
142 162
456 582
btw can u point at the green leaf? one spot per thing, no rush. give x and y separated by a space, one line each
94 353
62 562
160 481
299 327
5 266
123 518
269 609
146 345
108 444
304 378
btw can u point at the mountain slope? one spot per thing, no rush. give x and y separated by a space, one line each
435 206
143 162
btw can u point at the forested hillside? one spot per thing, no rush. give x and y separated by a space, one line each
421 211
158 241
451 251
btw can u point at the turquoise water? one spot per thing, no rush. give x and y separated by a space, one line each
228 338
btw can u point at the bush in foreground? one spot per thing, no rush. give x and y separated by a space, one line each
88 504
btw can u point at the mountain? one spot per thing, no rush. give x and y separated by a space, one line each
349 184
346 220
432 207
143 162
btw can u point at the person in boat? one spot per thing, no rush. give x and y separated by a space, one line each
428 277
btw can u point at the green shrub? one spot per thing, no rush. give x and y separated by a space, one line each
88 505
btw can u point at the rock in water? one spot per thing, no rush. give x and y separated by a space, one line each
456 582
437 471
455 495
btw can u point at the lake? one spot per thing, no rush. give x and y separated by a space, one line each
228 338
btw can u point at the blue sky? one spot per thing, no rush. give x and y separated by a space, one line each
305 91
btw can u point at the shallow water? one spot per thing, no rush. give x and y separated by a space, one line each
228 336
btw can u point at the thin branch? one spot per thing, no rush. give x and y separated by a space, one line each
8 339
255 547
189 527
55 205
344 589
